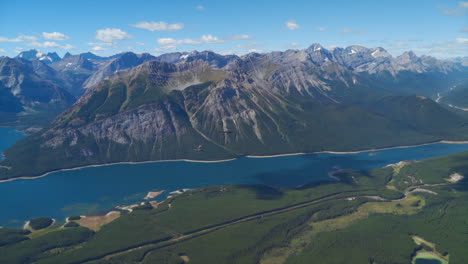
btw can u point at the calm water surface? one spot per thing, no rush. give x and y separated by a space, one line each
427 261
95 190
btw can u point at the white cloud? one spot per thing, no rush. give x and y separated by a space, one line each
239 37
320 28
111 34
464 29
47 44
292 25
200 7
400 44
353 31
67 46
100 44
4 39
54 36
170 43
159 26
295 44
140 43
2 50
254 51
98 48
20 38
210 39
165 48
51 44
457 11
462 40
27 38
173 42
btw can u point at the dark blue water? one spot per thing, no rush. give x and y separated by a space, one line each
94 190
427 261
8 136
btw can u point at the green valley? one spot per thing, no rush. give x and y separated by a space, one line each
366 217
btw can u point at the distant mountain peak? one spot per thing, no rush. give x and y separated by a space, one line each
380 52
34 54
315 47
407 57
28 55
356 49
409 54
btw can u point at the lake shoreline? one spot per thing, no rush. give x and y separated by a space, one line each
232 159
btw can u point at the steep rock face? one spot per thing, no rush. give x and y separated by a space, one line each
25 88
152 83
146 133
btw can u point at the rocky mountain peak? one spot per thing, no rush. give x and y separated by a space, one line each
38 55
356 49
407 57
380 52
315 47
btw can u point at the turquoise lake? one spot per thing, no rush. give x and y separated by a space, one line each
96 190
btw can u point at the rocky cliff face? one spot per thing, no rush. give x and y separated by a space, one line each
29 87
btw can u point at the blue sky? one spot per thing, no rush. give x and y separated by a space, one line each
433 27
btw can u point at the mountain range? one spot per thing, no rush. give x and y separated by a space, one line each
204 105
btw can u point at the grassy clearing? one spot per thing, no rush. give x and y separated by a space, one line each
96 222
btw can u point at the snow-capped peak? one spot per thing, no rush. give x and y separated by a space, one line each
380 52
39 54
45 58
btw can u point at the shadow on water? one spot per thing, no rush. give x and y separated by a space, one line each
461 186
317 169
427 261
